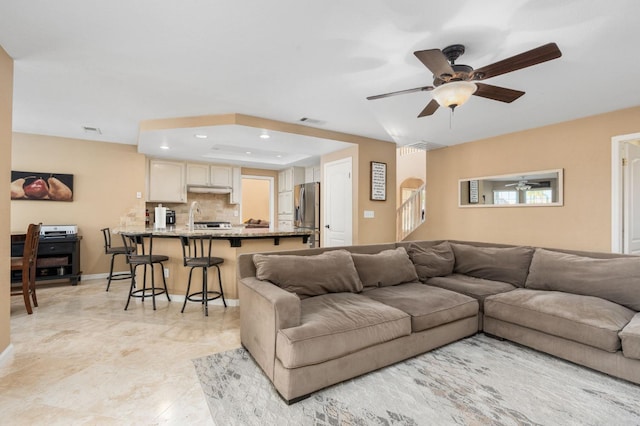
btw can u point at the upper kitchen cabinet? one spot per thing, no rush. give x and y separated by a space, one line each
236 181
166 181
208 175
221 176
312 174
290 177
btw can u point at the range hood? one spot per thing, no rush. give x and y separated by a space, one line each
203 189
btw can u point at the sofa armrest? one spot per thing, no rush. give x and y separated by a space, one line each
264 309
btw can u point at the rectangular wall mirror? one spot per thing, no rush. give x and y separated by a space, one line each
526 189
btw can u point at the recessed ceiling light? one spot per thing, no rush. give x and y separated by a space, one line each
248 153
200 136
278 156
164 147
264 136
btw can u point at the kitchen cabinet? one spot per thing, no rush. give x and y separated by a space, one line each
166 181
57 259
198 174
202 174
312 174
287 180
221 176
285 202
236 186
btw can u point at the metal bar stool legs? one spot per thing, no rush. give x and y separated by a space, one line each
197 254
138 255
114 251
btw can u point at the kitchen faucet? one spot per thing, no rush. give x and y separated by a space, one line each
194 208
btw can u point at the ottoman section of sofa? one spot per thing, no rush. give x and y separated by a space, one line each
337 324
584 319
428 306
630 336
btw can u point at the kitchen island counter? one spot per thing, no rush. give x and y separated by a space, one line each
227 244
235 235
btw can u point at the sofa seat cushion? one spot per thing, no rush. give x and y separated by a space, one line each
584 319
428 306
337 324
477 288
630 336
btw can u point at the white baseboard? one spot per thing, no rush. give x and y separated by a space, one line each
174 297
6 355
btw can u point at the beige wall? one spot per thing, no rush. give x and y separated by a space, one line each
255 199
6 106
106 179
581 147
382 227
410 166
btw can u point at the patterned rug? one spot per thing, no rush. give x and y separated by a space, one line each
476 381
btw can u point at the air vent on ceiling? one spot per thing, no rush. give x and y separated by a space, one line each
307 120
426 146
92 130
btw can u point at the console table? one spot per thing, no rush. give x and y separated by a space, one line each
58 258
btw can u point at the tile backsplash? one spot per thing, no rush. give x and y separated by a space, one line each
212 208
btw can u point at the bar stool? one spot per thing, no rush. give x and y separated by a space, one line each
140 252
114 251
196 253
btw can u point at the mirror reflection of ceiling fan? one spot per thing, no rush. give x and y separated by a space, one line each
454 84
522 185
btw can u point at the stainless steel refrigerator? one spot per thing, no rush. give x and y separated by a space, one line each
306 210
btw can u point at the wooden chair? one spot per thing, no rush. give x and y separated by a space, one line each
27 264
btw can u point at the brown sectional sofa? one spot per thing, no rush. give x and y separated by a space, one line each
313 318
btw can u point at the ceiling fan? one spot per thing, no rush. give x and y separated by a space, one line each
453 84
522 185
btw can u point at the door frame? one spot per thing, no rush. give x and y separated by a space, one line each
271 180
617 197
324 203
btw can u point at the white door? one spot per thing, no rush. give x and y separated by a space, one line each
631 199
338 204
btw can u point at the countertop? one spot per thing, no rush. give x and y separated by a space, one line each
235 235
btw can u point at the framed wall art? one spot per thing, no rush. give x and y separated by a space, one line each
43 186
378 181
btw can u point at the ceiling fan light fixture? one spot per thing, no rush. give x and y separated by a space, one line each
454 93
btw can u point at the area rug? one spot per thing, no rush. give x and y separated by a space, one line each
476 381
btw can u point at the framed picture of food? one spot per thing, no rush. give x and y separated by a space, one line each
41 186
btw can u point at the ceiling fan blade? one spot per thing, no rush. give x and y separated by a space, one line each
535 56
497 93
429 109
435 60
400 92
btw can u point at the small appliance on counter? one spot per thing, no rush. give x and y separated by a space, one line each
171 217
58 231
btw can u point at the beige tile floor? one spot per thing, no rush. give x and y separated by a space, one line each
82 359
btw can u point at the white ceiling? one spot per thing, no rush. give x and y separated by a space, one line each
112 64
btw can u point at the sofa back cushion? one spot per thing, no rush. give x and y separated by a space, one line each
434 261
329 272
389 267
506 264
616 280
